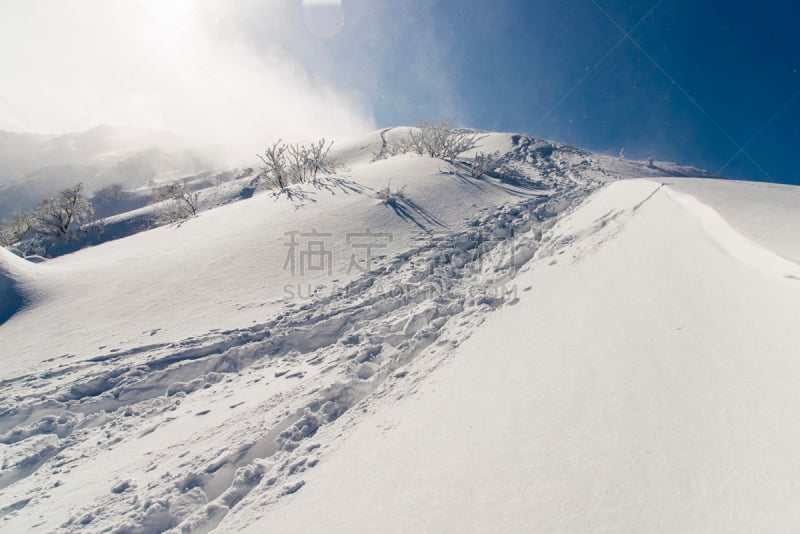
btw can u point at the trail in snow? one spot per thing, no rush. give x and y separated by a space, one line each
341 347
638 385
251 400
384 150
192 427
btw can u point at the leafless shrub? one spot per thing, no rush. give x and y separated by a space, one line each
319 160
177 201
388 196
276 165
298 163
286 164
482 163
436 140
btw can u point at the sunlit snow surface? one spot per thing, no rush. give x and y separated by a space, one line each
559 350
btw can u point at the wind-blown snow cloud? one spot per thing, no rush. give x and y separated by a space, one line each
178 65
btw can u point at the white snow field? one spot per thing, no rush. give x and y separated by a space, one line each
581 345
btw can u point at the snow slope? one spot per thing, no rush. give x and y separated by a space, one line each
638 386
282 367
542 350
227 265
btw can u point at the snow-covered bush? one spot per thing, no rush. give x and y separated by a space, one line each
17 228
65 214
286 164
390 197
319 160
68 216
188 201
177 200
275 164
436 140
297 156
482 163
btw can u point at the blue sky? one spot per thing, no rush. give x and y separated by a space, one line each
715 84
694 82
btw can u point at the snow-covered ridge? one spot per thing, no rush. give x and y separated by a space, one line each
738 246
212 378
637 385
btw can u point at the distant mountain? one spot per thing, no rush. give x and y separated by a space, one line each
34 166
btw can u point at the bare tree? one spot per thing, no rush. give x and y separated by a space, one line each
319 159
275 165
17 228
177 200
63 214
189 200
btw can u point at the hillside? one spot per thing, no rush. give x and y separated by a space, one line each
640 384
577 343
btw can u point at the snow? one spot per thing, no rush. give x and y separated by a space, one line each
583 344
735 244
227 265
16 284
633 388
763 212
